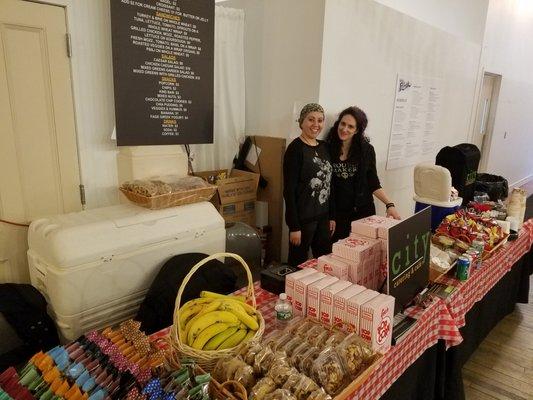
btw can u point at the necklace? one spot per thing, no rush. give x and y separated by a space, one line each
307 141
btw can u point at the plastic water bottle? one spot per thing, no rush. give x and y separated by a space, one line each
283 309
479 244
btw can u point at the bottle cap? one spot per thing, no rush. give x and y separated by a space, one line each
283 296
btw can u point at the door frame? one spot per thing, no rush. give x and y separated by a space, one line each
487 141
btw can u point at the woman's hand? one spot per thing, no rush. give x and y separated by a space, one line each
295 238
391 212
332 226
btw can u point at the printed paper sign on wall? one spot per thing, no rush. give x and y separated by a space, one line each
163 63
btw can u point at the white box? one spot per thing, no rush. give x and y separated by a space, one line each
290 279
326 300
353 306
376 322
313 295
300 292
94 267
355 269
356 247
333 266
340 300
373 226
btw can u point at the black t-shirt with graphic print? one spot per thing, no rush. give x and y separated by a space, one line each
344 181
306 183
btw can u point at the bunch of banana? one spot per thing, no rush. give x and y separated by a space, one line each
216 321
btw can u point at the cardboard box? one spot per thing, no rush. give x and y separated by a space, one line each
340 300
300 292
236 194
333 266
291 278
353 307
356 248
376 322
326 300
313 295
355 269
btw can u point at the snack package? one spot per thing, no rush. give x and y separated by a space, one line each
333 266
319 394
300 292
340 301
263 360
376 321
313 332
356 248
295 324
305 387
291 278
291 345
249 351
355 269
244 374
304 327
353 308
319 340
355 355
307 360
226 367
291 383
272 339
281 342
296 356
280 394
335 338
280 374
262 388
373 226
329 372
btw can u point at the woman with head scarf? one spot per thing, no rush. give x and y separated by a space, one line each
307 188
355 179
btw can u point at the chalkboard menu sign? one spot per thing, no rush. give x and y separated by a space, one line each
408 255
163 62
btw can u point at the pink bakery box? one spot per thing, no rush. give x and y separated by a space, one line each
376 321
313 295
373 226
299 300
333 266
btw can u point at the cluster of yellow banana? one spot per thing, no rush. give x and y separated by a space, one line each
216 321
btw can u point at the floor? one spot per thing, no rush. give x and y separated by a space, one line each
502 366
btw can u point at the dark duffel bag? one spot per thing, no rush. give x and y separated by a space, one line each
495 186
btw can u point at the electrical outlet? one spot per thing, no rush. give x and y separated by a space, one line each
505 135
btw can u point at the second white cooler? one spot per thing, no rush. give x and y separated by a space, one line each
94 267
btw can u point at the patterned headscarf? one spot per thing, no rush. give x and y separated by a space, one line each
309 108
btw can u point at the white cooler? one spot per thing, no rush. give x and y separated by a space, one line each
94 267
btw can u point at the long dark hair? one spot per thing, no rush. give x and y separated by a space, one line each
357 141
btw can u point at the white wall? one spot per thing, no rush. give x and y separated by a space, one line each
365 46
462 18
508 51
283 47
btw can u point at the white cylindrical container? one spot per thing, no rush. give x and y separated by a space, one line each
516 206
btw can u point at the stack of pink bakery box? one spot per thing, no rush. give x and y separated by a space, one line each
334 301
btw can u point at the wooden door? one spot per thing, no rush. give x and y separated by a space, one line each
39 173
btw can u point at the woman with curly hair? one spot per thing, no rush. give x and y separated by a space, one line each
355 179
307 188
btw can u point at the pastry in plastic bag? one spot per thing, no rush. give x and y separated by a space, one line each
280 373
249 351
294 324
280 394
329 372
319 340
305 387
244 374
292 382
355 354
296 356
272 339
319 394
307 361
335 338
291 345
263 360
265 386
226 367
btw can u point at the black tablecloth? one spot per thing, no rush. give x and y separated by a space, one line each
437 374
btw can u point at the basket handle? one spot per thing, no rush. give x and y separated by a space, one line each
238 389
250 293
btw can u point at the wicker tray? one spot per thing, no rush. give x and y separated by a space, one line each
207 359
172 199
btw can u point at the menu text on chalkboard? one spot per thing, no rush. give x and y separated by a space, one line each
163 65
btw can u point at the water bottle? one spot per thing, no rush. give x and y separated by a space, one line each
283 309
479 244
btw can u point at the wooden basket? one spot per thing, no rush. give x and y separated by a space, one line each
207 359
229 390
172 199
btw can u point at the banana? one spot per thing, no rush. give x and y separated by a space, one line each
212 306
217 340
208 294
188 312
238 310
209 319
248 336
209 333
233 340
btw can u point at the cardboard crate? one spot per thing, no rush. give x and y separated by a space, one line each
236 194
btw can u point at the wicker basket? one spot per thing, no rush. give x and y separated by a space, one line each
229 390
208 358
172 199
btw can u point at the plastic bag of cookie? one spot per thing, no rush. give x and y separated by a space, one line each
319 394
328 371
305 387
280 394
262 388
307 361
355 355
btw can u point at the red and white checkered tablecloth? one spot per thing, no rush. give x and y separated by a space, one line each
482 280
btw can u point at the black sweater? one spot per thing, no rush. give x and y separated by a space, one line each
306 183
355 179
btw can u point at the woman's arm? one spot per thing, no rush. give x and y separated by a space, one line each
291 172
382 196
